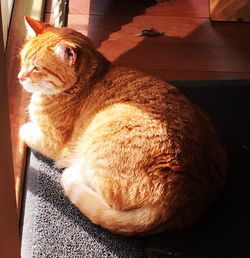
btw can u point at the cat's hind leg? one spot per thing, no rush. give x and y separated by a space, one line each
80 192
94 206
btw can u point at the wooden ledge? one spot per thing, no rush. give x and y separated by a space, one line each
17 96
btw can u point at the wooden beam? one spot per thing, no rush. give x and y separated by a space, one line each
17 97
9 240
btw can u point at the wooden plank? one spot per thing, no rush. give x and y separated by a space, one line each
48 8
9 233
18 97
186 29
230 10
190 47
6 16
173 8
79 23
83 12
179 56
188 43
169 75
80 7
48 18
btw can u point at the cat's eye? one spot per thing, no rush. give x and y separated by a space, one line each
36 68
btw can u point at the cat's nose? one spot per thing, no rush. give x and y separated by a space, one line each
22 76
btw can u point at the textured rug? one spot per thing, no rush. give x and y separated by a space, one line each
52 227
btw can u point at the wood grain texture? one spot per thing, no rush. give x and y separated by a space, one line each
191 47
230 10
150 7
9 244
17 97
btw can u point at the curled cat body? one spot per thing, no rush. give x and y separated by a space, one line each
139 157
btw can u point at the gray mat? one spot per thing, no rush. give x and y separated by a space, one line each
52 227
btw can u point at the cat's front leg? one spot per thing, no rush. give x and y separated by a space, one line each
31 134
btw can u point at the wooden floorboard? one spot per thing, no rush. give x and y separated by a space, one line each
199 8
18 98
192 46
198 75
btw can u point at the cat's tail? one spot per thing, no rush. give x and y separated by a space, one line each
132 222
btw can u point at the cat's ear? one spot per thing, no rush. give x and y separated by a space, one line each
34 27
66 52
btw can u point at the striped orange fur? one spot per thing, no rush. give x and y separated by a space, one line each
139 157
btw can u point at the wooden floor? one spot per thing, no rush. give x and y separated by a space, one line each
192 48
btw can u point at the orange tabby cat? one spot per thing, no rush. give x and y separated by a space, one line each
139 158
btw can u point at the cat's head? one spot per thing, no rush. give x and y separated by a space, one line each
53 58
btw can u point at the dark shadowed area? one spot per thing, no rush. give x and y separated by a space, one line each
55 228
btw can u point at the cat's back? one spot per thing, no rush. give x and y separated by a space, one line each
128 109
137 128
130 93
127 84
121 85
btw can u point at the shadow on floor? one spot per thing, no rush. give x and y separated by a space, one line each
223 232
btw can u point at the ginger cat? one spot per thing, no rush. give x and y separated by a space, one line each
139 158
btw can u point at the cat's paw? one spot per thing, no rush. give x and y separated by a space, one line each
70 182
30 134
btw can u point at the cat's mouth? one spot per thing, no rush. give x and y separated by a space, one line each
27 86
41 87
